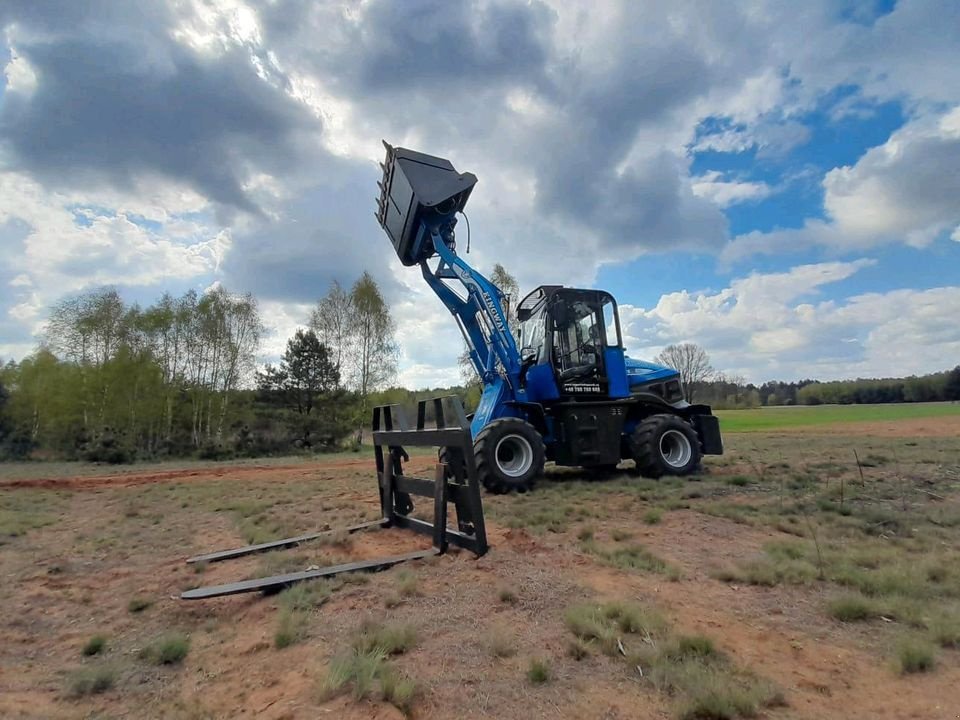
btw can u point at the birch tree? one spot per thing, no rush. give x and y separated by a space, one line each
331 320
374 351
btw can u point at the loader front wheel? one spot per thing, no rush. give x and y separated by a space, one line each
510 455
665 445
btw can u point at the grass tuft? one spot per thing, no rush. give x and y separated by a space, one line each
95 645
945 630
407 584
578 649
397 690
914 656
653 516
90 681
291 628
507 595
392 639
501 644
365 665
538 672
138 604
168 649
852 608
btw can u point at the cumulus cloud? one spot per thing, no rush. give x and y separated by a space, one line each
904 191
118 98
908 187
776 325
235 140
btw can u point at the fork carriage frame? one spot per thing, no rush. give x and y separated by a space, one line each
454 480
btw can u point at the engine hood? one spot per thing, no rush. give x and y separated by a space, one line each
640 372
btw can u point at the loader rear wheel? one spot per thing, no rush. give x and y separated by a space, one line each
510 455
665 445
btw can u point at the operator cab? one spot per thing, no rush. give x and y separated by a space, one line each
572 336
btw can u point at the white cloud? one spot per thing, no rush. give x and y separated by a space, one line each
57 245
724 193
21 77
906 188
903 191
774 326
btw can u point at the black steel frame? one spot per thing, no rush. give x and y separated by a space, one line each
455 480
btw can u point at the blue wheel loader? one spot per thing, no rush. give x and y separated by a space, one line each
561 390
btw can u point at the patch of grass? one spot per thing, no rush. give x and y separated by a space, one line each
913 655
364 666
688 668
407 584
852 608
653 516
305 595
501 643
945 630
169 648
90 681
604 623
538 672
397 689
739 481
291 627
628 557
138 604
23 510
721 696
585 533
507 595
689 647
621 535
392 638
95 645
357 669
578 649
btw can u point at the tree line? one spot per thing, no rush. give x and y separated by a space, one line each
704 384
115 381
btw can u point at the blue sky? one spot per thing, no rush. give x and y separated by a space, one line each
777 182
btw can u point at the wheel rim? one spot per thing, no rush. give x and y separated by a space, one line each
675 448
514 455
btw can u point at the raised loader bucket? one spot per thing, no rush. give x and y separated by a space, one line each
418 193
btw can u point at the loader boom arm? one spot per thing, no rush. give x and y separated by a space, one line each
480 316
420 196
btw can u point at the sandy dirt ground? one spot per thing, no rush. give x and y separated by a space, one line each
112 537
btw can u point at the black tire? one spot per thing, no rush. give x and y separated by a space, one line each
510 455
665 445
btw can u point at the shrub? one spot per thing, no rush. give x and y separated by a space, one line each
653 516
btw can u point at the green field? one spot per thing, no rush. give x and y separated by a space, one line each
775 418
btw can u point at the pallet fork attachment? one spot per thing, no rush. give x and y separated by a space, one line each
455 480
